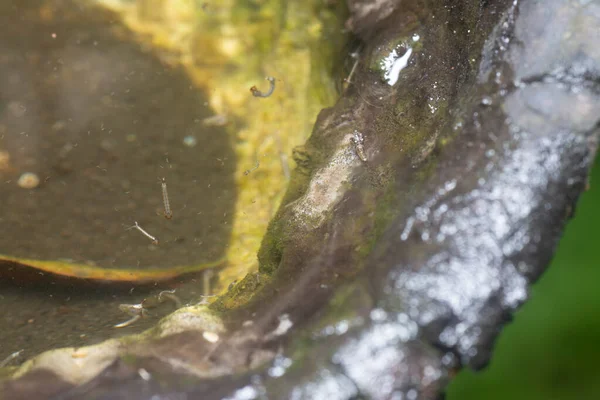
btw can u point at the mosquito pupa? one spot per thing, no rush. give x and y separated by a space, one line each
168 214
358 140
258 93
149 236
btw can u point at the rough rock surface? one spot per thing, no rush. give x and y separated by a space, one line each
390 273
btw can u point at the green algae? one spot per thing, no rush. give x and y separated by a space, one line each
241 292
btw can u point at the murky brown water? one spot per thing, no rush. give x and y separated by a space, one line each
100 120
41 314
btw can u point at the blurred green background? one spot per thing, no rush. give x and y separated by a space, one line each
552 348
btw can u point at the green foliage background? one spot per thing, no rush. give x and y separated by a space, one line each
551 350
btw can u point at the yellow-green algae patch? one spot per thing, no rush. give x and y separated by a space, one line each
228 47
137 275
241 292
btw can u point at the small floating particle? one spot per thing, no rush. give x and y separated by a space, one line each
190 141
59 125
145 375
28 180
211 337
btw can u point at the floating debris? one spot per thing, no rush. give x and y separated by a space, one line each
28 180
149 236
145 375
258 93
190 141
359 140
168 213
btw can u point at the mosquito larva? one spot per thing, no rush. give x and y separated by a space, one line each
165 194
258 93
169 294
149 236
348 80
358 140
128 322
136 311
11 357
246 172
